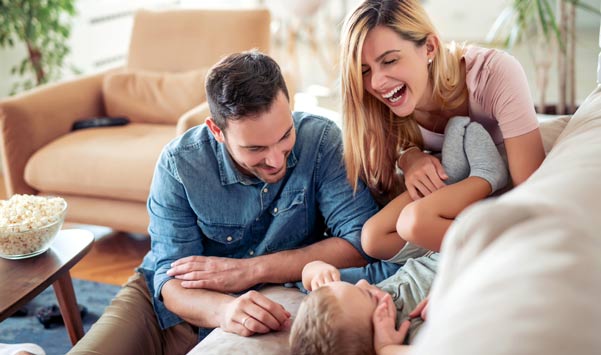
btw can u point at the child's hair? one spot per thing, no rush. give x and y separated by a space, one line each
324 326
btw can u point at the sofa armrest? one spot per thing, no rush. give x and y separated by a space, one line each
33 119
193 117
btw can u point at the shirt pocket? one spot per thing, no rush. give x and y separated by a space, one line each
289 221
221 239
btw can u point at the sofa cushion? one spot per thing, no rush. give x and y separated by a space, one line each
551 128
521 273
113 162
153 97
516 283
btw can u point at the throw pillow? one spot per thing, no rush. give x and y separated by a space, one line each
153 97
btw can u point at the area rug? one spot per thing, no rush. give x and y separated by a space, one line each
55 341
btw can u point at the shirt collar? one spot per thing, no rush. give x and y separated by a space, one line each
229 174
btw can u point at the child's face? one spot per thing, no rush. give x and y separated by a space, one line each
361 299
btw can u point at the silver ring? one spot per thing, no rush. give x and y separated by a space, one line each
244 321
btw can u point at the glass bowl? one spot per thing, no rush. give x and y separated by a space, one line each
19 241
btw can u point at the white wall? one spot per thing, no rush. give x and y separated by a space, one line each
465 20
99 40
9 57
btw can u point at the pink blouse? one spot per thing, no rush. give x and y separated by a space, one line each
499 97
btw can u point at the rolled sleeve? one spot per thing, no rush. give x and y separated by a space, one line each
173 231
345 211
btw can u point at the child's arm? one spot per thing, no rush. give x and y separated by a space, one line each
387 339
318 273
379 238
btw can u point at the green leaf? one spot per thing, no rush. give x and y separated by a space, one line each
44 26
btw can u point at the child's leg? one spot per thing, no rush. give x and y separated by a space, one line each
379 237
484 158
424 222
454 160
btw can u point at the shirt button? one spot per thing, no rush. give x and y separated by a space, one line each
275 210
265 190
251 252
229 238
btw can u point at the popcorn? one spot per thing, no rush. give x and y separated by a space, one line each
29 223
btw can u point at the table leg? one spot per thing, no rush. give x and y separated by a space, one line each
63 288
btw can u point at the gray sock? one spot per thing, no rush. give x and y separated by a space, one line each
484 158
454 160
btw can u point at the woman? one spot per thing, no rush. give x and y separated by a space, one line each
400 87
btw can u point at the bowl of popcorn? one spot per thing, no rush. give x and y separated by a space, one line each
28 224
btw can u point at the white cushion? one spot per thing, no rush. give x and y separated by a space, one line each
522 274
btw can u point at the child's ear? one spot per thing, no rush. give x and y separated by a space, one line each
217 132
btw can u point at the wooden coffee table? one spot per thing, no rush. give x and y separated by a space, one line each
22 280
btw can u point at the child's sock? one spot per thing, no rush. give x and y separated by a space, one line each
454 160
483 156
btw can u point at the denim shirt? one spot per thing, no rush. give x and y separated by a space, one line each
200 204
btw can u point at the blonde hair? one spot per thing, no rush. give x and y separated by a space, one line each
322 327
373 134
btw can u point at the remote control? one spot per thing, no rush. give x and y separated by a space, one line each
100 122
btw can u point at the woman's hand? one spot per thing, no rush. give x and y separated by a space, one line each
423 173
317 273
385 333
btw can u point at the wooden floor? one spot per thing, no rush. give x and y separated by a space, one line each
113 257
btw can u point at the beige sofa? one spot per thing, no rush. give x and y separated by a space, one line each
105 173
520 274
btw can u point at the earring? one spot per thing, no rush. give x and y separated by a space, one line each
430 61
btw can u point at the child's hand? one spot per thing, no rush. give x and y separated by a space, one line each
421 309
317 273
383 320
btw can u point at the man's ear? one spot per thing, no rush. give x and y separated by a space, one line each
217 132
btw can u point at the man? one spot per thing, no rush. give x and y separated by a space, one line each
241 201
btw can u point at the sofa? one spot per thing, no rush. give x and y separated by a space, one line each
105 173
519 274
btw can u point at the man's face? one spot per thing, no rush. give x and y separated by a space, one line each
260 145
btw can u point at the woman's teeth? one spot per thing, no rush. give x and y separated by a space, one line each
391 95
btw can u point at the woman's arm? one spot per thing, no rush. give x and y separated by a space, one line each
525 154
423 173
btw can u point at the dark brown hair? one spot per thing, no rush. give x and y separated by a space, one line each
242 85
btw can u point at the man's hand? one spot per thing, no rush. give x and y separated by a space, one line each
421 309
253 313
214 273
423 174
383 319
317 273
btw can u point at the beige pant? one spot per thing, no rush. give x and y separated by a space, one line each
129 326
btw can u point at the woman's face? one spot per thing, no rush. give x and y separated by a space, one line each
395 70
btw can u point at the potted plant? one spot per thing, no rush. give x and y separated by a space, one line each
43 26
546 30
